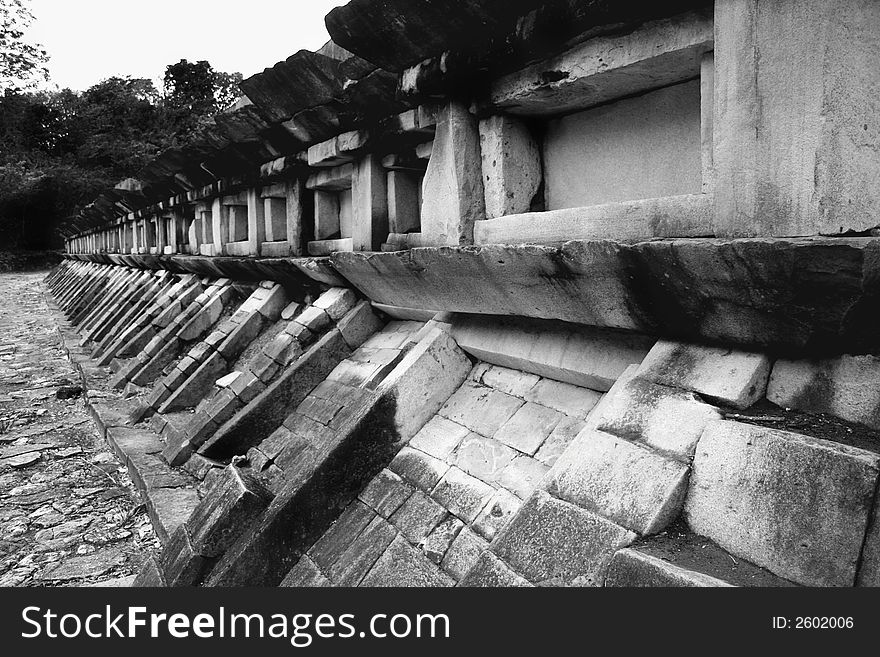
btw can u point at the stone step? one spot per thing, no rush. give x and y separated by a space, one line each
678 557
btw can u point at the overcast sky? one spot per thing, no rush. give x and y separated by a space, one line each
90 40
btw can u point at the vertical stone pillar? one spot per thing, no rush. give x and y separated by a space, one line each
296 193
403 202
256 219
219 228
797 95
511 165
370 205
452 196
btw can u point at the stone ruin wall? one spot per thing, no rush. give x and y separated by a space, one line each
507 294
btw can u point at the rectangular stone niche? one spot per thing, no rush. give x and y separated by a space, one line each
333 210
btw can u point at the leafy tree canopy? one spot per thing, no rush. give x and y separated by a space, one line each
22 64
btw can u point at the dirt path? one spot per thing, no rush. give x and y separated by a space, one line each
69 514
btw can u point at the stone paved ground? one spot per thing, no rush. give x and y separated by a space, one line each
69 514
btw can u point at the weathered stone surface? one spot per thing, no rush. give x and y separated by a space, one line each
314 319
453 187
669 420
464 552
572 400
341 534
438 542
622 481
462 494
336 302
490 571
511 164
482 410
558 441
423 380
845 387
869 566
169 508
356 560
522 476
149 575
235 501
359 324
386 493
529 427
812 293
403 565
305 574
180 564
439 437
513 382
725 376
795 505
483 458
496 514
552 542
418 468
683 559
417 517
584 357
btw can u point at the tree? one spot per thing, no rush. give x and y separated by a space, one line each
194 92
21 64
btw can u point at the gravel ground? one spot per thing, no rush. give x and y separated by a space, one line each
69 514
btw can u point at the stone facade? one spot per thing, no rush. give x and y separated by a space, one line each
478 310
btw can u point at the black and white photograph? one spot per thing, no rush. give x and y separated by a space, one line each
408 324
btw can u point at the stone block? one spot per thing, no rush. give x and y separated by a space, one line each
590 357
417 516
483 458
320 410
241 336
529 427
438 542
314 319
283 348
721 375
418 468
290 311
522 476
439 437
845 387
869 566
462 494
235 501
622 481
149 576
402 565
228 380
385 493
453 186
558 441
358 558
179 562
513 382
246 387
552 542
359 324
482 410
336 302
669 420
496 514
464 552
169 508
795 505
341 534
683 559
511 165
305 574
490 571
423 380
264 368
572 400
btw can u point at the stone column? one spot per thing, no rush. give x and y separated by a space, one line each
452 197
256 216
797 96
370 205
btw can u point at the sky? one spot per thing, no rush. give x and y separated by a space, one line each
90 40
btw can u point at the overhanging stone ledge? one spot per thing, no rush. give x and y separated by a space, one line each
790 295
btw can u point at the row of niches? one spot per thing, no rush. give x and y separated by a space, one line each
528 171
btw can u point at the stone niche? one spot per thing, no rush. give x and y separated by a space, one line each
334 213
611 139
637 148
